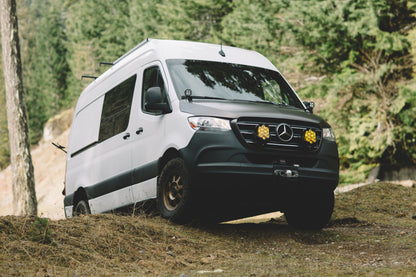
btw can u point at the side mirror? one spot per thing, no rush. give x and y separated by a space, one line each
309 106
153 101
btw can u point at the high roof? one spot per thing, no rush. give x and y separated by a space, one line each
175 49
161 50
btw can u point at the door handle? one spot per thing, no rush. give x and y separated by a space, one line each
126 136
139 131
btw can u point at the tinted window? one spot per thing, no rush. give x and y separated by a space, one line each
116 109
207 79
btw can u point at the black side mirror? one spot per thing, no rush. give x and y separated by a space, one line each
153 101
309 106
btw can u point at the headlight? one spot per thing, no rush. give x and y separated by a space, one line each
209 123
328 134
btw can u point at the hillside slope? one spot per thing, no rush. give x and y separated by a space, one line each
371 233
49 165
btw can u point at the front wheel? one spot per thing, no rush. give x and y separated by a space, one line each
173 191
81 208
310 211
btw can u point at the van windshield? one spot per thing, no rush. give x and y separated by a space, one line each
216 80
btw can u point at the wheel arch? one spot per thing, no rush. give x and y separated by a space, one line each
80 194
169 154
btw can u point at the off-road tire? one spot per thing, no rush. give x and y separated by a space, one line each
174 192
81 208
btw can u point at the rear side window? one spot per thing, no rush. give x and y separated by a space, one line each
116 109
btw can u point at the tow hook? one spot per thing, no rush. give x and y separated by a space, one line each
287 173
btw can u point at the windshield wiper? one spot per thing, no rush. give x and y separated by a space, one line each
203 97
189 97
266 102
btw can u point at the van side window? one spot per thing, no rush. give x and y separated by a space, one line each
152 77
116 109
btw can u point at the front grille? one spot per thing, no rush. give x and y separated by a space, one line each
247 129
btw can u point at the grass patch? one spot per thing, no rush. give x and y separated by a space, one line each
371 233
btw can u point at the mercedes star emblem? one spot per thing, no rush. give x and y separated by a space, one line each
284 132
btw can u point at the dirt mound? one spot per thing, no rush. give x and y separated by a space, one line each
371 233
49 165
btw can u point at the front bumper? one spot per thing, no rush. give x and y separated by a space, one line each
219 158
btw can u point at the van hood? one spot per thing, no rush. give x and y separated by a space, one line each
238 109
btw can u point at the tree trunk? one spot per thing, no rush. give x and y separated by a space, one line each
24 195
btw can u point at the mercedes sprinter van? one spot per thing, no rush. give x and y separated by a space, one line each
209 131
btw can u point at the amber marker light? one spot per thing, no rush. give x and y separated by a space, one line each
193 125
263 132
310 136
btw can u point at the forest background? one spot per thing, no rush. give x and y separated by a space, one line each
354 58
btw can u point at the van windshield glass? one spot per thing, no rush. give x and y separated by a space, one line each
216 80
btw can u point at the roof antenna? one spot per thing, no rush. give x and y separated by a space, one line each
106 63
221 52
88 76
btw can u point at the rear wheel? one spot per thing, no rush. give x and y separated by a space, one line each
173 191
310 211
81 208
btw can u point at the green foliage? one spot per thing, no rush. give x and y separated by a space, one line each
144 21
40 231
363 47
249 26
99 25
354 58
192 20
46 70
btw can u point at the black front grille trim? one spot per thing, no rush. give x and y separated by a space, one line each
247 128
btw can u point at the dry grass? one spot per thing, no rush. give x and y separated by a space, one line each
371 232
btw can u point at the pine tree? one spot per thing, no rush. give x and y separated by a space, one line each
362 48
47 70
192 20
248 26
99 26
144 21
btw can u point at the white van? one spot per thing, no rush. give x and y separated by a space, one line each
199 126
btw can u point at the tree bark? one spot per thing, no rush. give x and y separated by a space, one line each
24 195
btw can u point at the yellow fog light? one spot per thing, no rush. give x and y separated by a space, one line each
263 132
310 136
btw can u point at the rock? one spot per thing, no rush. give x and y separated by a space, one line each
218 270
373 175
57 125
208 259
386 172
